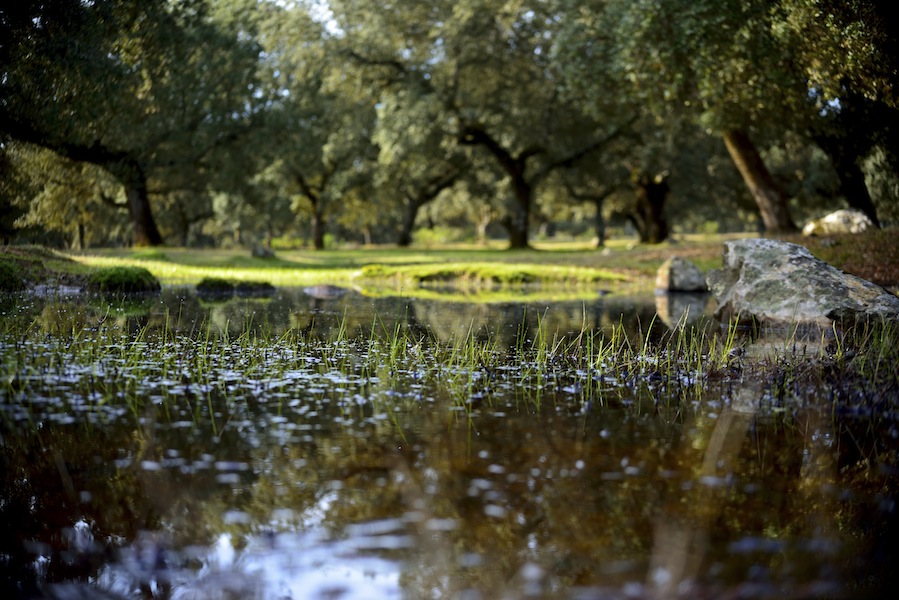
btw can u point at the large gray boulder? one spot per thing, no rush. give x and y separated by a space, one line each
848 220
779 283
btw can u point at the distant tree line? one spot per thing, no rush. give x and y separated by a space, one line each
200 122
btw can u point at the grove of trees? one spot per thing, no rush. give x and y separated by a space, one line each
210 122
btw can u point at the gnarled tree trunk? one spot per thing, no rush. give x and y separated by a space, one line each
652 192
132 177
599 224
770 199
851 176
415 199
518 221
317 223
404 238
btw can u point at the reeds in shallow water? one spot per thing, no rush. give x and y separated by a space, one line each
205 375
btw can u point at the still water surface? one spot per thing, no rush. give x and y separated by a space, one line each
211 475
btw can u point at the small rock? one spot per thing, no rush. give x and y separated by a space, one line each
324 292
847 220
680 275
260 251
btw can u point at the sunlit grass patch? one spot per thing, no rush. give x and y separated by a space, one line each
409 269
622 262
173 272
486 273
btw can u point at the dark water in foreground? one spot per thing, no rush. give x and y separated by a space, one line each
207 474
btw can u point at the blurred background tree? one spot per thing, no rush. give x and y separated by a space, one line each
251 122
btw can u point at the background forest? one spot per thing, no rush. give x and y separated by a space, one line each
309 123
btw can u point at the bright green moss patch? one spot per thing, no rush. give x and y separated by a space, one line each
496 274
122 280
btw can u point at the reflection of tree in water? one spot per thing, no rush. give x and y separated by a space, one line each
180 311
513 325
55 478
568 491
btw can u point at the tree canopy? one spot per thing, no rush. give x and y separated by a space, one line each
191 121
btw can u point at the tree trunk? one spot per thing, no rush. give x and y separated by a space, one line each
518 235
852 185
416 198
771 200
514 167
404 240
317 225
600 224
652 192
132 177
517 222
483 222
851 176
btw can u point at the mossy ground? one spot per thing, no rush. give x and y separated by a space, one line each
122 280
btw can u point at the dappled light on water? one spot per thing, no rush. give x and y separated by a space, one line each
348 447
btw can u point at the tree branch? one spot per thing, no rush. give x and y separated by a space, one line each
475 135
570 160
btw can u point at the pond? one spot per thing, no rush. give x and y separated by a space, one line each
324 444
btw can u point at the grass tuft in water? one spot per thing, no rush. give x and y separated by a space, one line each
207 379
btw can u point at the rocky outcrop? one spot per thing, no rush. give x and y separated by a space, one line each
847 220
779 283
680 275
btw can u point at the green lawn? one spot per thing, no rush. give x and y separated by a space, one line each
555 269
619 266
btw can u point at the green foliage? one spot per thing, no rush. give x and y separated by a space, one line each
440 236
845 43
147 90
883 182
123 280
11 279
238 122
79 201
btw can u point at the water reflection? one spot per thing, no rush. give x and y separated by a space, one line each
327 308
336 482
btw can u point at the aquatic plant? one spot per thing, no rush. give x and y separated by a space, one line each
102 365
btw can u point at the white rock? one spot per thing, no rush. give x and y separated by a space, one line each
847 220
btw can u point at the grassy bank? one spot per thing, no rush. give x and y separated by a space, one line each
622 267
